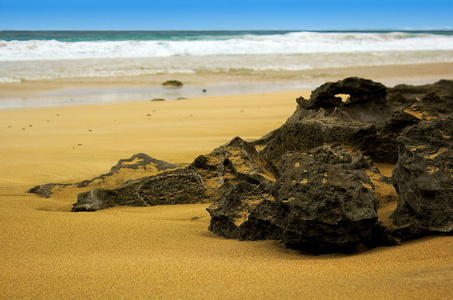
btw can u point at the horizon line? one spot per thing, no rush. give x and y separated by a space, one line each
219 30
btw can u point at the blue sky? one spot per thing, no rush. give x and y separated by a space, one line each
224 14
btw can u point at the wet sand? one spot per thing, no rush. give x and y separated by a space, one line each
166 252
389 75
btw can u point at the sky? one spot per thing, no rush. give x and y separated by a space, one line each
225 14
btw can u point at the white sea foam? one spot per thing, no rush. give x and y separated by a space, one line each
47 59
9 80
290 43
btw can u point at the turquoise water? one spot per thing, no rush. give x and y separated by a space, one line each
79 36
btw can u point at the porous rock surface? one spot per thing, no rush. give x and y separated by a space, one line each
423 178
324 205
164 188
205 180
322 202
370 120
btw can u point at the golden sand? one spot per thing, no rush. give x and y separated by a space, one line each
166 252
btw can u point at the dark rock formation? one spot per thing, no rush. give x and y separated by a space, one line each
431 99
337 155
326 119
205 180
442 88
369 120
324 206
137 161
45 190
423 178
315 131
172 84
313 184
234 162
434 104
173 187
359 90
321 202
382 143
245 212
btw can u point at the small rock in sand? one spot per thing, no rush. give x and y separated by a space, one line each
172 84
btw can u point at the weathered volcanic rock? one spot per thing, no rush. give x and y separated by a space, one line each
137 161
434 104
325 206
370 120
366 101
205 180
46 190
321 203
245 212
358 89
324 201
337 155
423 178
442 87
326 119
173 187
234 162
382 143
430 99
320 197
316 131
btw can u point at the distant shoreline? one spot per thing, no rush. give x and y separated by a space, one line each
92 90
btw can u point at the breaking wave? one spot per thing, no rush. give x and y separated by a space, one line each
291 43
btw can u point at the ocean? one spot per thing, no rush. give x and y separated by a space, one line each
35 55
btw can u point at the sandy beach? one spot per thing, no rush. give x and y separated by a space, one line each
166 252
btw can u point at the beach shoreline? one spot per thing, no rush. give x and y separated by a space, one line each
389 75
